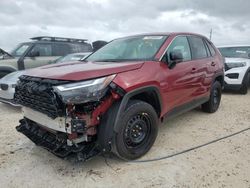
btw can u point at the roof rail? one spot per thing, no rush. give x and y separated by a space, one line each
58 39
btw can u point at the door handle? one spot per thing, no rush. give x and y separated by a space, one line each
193 70
213 64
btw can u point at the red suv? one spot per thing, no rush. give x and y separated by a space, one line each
114 100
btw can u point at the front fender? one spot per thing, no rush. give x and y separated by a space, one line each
129 95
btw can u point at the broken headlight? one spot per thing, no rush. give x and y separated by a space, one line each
235 64
82 92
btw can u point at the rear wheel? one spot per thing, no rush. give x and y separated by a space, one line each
215 97
137 130
245 84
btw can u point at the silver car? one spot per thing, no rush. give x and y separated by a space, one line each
7 87
8 83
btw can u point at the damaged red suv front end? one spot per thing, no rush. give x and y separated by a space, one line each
114 99
62 114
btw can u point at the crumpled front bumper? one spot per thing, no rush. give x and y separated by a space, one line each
56 142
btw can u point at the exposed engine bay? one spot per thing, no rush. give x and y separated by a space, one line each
62 116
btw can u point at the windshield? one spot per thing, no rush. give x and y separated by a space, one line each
129 49
236 52
20 49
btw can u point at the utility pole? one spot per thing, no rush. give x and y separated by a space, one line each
211 33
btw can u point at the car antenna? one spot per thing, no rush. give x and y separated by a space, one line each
211 34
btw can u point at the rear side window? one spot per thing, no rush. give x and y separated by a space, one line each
61 49
197 47
211 49
76 48
181 45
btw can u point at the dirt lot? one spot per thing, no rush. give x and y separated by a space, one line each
222 164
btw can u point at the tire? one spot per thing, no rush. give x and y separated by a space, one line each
137 131
215 97
105 129
245 84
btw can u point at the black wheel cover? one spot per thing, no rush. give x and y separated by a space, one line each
137 130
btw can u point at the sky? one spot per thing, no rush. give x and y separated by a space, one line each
109 19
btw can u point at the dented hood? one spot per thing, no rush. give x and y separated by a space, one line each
77 71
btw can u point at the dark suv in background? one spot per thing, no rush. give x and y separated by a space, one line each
114 100
42 51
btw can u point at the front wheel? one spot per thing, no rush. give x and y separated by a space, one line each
137 131
215 97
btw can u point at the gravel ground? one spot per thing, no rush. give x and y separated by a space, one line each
222 164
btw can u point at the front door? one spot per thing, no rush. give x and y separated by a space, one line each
39 55
181 79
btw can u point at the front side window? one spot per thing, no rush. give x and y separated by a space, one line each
180 44
236 52
42 50
129 49
20 50
197 47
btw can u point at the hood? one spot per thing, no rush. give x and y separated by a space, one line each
77 71
236 60
8 61
2 53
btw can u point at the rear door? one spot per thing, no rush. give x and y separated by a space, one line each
202 59
214 60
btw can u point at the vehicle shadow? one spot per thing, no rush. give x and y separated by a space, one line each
9 108
233 92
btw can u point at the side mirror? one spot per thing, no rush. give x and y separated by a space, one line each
175 57
34 54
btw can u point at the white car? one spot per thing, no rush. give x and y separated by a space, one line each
8 83
7 87
237 67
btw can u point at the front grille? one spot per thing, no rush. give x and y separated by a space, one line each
4 87
37 93
233 75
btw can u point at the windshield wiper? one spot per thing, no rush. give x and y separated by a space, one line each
107 60
118 60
